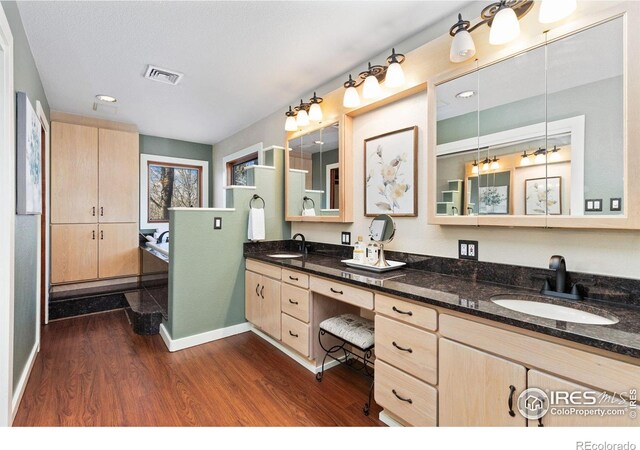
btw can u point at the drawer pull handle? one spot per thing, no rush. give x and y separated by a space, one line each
512 390
93 211
93 235
294 335
408 400
336 292
258 289
408 350
399 311
101 211
292 302
262 292
102 235
293 278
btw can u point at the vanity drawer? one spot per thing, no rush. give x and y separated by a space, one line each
295 278
295 301
408 398
342 292
295 334
420 316
264 269
408 348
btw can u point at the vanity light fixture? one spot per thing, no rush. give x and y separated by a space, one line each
486 164
525 161
502 17
303 114
495 165
555 154
554 10
540 156
392 75
106 98
474 167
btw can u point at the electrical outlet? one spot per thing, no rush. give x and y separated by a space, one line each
593 204
346 238
217 223
468 250
615 204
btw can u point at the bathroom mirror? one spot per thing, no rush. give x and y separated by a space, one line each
314 173
534 137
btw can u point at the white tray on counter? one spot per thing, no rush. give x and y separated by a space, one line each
358 265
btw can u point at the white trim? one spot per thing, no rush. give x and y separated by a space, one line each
328 168
239 187
7 219
388 420
22 384
144 160
298 171
312 191
47 218
259 166
203 209
573 125
222 172
202 338
304 362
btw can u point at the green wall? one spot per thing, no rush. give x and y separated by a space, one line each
27 79
153 145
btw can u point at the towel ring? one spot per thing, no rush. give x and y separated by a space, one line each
308 199
256 197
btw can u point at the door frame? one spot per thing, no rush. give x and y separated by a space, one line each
7 218
44 238
327 188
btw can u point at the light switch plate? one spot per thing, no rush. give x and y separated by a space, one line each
468 250
615 204
346 238
217 223
593 204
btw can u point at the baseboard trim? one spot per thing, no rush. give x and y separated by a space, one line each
22 384
304 362
386 418
191 341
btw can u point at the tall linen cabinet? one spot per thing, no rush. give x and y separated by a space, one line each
94 203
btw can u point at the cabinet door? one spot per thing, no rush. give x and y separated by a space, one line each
619 414
270 306
118 250
119 176
74 253
252 297
74 173
475 387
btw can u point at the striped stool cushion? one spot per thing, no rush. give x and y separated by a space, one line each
353 329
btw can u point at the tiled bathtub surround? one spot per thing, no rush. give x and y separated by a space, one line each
467 286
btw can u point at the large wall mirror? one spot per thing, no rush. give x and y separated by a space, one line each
535 137
314 174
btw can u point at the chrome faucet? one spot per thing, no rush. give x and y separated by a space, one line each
558 264
303 244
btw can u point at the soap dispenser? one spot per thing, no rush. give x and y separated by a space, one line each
359 251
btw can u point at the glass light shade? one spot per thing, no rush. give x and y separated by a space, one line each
395 76
495 165
474 169
554 10
505 27
540 158
351 98
462 47
525 161
302 118
290 124
485 166
371 88
555 156
315 112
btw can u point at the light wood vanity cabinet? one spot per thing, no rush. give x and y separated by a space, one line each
262 297
94 186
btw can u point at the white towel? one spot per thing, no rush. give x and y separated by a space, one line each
256 226
309 212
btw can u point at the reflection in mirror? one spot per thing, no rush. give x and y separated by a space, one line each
314 174
382 231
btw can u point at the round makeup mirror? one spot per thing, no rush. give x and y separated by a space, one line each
382 231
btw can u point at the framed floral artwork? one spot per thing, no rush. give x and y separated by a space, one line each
391 173
543 196
28 163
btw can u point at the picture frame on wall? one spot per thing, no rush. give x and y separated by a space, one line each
391 173
28 158
543 196
490 194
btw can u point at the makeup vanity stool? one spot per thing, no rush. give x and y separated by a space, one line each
355 332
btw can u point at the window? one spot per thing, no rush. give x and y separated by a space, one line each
236 170
172 186
169 182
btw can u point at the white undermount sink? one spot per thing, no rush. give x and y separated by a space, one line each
285 255
552 311
160 247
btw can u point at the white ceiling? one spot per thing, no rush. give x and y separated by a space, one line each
242 60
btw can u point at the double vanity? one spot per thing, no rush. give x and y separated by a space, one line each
456 341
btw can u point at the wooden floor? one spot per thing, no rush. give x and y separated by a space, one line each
94 371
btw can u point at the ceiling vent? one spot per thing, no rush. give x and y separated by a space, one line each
163 75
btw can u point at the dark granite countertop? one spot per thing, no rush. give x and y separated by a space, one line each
473 297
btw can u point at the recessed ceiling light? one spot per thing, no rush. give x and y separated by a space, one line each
465 94
106 98
318 142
